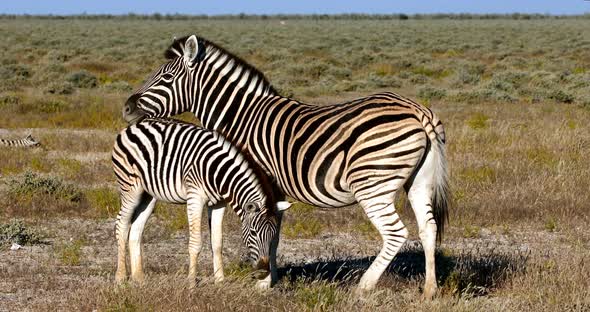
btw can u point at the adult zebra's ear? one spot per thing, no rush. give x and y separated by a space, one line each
192 50
283 205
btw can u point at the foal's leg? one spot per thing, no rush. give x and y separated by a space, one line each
140 217
216 231
195 204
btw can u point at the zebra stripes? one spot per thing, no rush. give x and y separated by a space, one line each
361 151
179 162
28 141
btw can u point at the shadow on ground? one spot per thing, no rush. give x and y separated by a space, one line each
470 272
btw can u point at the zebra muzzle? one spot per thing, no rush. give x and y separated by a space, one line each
262 268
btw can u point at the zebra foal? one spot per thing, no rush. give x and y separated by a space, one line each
178 162
28 141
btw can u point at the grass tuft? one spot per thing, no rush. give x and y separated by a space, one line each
15 231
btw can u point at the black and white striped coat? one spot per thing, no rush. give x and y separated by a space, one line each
28 141
178 162
363 151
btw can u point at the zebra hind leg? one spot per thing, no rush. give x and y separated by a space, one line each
393 233
140 217
130 200
420 194
195 204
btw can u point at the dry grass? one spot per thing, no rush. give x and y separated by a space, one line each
517 149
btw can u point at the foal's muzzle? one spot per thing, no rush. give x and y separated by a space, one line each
262 268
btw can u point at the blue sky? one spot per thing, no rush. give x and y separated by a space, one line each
213 7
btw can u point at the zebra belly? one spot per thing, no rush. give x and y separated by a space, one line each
168 191
320 184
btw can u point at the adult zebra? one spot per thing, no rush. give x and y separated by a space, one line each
28 141
361 151
179 162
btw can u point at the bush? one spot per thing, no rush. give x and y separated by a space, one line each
13 71
60 88
561 96
32 184
16 232
429 93
82 79
119 86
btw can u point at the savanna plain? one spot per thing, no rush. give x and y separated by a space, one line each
514 96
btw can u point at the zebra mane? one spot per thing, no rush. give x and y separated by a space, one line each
177 47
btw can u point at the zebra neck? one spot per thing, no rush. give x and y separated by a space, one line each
227 88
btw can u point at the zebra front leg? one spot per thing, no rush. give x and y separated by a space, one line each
393 233
140 218
216 231
195 204
130 199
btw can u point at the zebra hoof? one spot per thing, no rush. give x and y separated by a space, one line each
362 292
120 279
429 293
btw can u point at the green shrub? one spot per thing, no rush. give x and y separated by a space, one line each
174 216
104 201
367 229
9 99
82 79
60 88
300 223
471 231
551 224
15 71
302 227
478 121
561 96
16 232
121 86
31 184
430 93
465 78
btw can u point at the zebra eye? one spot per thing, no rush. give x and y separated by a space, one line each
251 207
167 77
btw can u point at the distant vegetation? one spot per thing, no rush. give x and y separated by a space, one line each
74 72
350 16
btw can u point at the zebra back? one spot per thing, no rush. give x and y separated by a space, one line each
168 155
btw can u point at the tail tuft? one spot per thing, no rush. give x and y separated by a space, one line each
442 191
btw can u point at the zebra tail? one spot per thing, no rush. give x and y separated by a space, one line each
442 191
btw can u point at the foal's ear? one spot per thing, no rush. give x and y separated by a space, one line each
283 205
192 49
